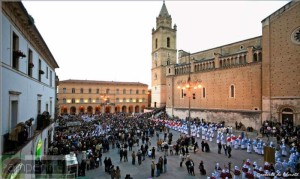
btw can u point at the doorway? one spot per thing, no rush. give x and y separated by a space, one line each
287 117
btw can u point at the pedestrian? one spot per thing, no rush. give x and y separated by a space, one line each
229 151
113 173
133 158
139 155
187 164
165 163
152 168
219 147
118 173
158 166
125 155
202 145
153 153
192 166
121 154
201 168
225 149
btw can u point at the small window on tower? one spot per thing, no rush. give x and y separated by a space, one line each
155 43
168 42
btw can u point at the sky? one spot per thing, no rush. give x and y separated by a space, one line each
112 40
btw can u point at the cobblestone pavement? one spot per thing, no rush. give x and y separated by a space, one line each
143 171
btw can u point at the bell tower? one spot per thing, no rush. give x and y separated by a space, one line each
163 53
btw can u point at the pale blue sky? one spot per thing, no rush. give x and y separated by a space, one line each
111 40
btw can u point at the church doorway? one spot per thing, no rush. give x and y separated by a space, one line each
287 116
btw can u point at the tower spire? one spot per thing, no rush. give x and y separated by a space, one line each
164 11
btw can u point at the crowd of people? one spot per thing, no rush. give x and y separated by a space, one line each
93 135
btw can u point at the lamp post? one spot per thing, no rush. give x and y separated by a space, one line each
188 86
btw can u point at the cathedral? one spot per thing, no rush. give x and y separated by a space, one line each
248 81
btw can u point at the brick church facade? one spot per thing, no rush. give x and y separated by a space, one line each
249 81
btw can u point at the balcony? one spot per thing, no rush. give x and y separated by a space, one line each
23 133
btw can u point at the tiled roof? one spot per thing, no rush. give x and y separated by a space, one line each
102 82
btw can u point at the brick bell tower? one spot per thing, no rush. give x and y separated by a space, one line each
163 53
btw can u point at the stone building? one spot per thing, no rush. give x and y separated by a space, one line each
28 89
87 96
249 81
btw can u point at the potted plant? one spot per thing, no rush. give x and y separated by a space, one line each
18 53
41 72
31 65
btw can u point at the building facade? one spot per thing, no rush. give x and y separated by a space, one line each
249 81
27 86
87 96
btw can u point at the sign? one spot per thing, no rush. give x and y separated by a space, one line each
39 148
269 154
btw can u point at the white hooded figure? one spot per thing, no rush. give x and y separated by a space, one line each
244 170
255 171
236 144
283 150
236 173
249 148
260 174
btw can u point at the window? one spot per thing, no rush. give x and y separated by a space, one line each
155 43
90 100
50 106
130 100
47 75
117 100
124 91
97 91
81 90
130 91
64 90
30 63
143 91
39 106
182 93
108 100
107 91
117 91
81 100
90 90
73 90
47 106
137 91
50 78
169 70
143 100
232 91
15 60
203 93
64 101
97 100
39 69
73 100
168 42
124 100
155 76
137 100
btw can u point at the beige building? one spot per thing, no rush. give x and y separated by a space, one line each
87 96
251 81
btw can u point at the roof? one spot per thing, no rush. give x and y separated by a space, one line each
164 11
102 82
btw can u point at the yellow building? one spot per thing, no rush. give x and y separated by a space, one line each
249 81
87 96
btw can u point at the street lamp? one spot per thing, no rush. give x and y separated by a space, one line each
188 85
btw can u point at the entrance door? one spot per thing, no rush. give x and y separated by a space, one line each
287 116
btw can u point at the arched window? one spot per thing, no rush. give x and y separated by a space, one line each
64 100
203 93
107 91
168 42
169 70
124 91
232 91
117 91
155 43
255 57
130 91
259 56
124 100
117 100
137 91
